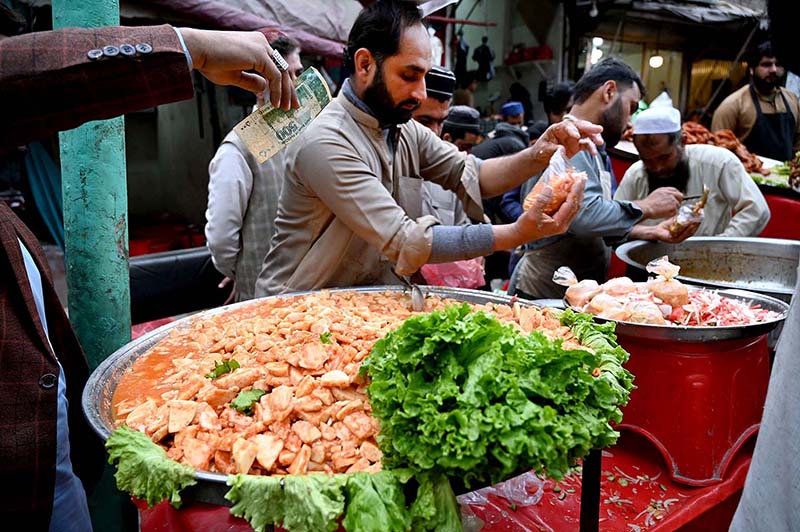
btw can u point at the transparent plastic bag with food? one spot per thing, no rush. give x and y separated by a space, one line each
560 176
664 286
689 215
579 293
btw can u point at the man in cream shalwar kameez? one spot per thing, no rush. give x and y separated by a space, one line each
350 208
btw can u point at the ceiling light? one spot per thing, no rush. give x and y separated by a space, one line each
656 61
593 11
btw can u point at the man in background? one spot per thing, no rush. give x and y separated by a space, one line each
513 114
432 113
556 102
606 95
735 206
433 110
462 128
762 114
443 204
243 200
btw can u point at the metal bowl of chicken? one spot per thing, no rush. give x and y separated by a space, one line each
764 265
98 402
695 333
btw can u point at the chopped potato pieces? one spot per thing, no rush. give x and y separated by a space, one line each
295 403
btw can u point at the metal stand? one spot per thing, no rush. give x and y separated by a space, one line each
590 492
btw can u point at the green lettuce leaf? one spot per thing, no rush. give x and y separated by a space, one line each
144 470
364 502
435 508
375 502
299 503
460 394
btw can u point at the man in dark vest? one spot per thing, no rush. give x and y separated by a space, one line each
762 114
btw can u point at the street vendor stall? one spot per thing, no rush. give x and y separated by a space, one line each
635 486
122 389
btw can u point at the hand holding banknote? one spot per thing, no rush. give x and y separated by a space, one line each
268 130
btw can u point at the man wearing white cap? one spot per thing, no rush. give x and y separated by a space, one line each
735 206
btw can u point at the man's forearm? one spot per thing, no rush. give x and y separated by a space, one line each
451 243
507 237
643 232
504 173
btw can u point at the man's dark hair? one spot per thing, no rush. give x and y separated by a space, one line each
558 98
285 45
379 27
456 132
468 78
439 98
765 49
607 69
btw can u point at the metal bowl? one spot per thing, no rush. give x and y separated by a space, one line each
706 333
764 265
98 393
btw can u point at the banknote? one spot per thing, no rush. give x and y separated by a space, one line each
268 130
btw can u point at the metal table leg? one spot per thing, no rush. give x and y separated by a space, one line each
590 492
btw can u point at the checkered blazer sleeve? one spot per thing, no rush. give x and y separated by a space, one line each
56 80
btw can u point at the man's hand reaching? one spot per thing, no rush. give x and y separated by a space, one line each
243 59
534 224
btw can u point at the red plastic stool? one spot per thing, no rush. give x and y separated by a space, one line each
697 402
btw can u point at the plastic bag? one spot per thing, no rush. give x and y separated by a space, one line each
644 312
689 214
664 286
526 489
578 293
458 274
560 177
565 276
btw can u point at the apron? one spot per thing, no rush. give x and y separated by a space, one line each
588 257
773 134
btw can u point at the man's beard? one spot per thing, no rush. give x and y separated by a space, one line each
678 178
766 85
378 99
613 124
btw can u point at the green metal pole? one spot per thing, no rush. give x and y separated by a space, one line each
95 211
95 199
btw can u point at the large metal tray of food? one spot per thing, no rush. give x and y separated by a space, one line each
693 333
764 265
97 399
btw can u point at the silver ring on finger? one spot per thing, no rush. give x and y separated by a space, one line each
279 61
